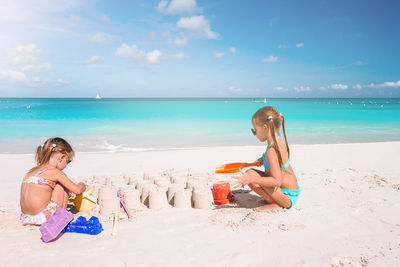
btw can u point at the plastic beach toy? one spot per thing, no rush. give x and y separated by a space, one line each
234 167
123 203
222 193
53 227
85 201
83 226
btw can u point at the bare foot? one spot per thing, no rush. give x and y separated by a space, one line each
268 207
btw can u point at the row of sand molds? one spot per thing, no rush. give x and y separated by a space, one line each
153 192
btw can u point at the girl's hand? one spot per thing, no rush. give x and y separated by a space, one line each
242 180
82 186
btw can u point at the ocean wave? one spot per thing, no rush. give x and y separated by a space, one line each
105 145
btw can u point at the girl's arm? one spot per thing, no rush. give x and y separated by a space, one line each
71 186
259 161
274 178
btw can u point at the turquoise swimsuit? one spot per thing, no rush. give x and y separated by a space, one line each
292 194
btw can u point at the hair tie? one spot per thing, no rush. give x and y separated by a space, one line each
54 145
269 117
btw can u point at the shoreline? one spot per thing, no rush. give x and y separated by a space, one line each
156 149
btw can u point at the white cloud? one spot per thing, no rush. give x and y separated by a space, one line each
12 75
23 59
380 85
100 37
92 60
282 46
218 54
389 85
27 58
129 51
75 18
302 88
270 59
154 57
232 49
299 45
338 86
181 42
198 25
279 88
27 49
235 90
335 86
177 7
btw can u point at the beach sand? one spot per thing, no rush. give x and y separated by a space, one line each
347 213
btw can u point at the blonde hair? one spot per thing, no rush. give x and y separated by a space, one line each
270 116
52 145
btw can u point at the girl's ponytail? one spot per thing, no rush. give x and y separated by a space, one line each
284 134
38 155
274 142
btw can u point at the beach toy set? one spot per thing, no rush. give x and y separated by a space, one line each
85 201
235 167
83 226
55 225
222 193
62 221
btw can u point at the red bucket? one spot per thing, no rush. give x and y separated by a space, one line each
222 193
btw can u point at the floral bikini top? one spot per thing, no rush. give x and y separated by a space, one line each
34 179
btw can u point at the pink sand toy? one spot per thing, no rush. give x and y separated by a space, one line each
55 225
123 204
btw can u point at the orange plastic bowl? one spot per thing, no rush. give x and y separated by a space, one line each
222 193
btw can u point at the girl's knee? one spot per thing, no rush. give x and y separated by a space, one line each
58 195
251 172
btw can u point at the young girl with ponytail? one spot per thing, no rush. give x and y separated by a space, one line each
277 185
46 187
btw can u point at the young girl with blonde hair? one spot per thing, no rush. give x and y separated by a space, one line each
46 187
277 185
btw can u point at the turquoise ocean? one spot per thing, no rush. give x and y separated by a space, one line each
141 124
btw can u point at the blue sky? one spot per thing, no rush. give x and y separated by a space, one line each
189 48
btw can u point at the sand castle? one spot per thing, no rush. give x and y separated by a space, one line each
157 198
182 199
153 191
132 200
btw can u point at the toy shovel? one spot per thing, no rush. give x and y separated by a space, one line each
234 167
123 204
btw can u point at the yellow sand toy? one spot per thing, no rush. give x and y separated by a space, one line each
85 201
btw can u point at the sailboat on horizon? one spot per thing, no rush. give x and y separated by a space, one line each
98 96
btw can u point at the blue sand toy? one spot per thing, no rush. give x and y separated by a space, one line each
83 226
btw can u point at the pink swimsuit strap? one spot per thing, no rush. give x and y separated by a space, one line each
35 179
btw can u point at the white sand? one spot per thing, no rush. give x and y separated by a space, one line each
348 213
